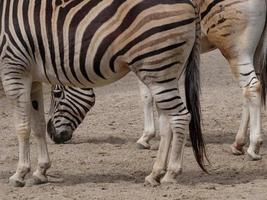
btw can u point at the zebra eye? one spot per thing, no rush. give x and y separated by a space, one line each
58 93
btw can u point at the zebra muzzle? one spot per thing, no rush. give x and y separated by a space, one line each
58 137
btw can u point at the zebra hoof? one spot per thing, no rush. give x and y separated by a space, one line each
168 180
151 181
237 150
253 156
142 145
38 180
16 182
258 146
170 177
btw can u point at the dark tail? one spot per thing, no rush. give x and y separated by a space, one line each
261 61
192 91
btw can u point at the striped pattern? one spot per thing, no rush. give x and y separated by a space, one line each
91 43
69 106
223 21
238 28
89 33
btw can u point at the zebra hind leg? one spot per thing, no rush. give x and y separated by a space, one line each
39 131
159 167
252 96
174 120
17 90
149 123
255 137
240 138
180 127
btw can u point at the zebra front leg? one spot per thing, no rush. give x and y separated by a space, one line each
39 130
18 92
149 123
240 138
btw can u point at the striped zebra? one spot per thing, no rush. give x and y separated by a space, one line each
238 30
91 43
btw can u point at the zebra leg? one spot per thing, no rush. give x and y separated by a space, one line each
252 95
39 130
149 123
240 138
180 126
237 32
255 121
174 120
159 166
18 92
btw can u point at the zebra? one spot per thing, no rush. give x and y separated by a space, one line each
223 31
238 30
92 43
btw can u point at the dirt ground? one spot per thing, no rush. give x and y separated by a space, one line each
102 161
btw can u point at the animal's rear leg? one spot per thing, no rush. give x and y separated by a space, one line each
179 119
255 122
39 130
176 120
240 138
245 72
149 123
160 164
168 103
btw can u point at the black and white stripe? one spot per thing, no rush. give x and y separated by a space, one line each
92 43
69 107
238 29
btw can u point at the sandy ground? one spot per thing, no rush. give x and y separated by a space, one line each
102 162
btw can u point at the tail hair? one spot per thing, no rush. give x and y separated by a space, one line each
192 92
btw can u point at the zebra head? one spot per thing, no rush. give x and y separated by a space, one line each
69 106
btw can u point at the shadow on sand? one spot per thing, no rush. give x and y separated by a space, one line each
227 176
